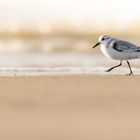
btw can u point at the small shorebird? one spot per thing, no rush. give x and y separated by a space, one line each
119 50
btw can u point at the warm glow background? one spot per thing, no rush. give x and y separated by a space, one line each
78 15
53 84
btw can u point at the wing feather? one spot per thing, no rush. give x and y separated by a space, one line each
124 46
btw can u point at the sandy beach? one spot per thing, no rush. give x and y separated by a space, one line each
87 107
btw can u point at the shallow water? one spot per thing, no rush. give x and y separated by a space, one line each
57 55
41 64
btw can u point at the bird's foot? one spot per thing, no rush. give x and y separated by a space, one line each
131 73
108 70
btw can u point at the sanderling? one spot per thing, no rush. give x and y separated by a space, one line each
119 50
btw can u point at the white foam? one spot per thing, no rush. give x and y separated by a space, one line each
62 71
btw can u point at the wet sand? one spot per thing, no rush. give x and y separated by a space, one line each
70 108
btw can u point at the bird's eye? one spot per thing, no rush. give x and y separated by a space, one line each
103 39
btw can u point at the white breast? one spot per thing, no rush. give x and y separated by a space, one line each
106 51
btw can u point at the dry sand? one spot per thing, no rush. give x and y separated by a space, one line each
70 108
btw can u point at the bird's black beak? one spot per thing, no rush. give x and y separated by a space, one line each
96 45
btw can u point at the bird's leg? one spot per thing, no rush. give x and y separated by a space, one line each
114 67
131 72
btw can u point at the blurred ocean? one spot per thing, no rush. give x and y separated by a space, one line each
55 56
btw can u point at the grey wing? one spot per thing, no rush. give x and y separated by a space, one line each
124 46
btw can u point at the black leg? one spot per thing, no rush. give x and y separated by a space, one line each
131 73
114 67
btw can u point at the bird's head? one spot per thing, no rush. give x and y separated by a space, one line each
102 40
